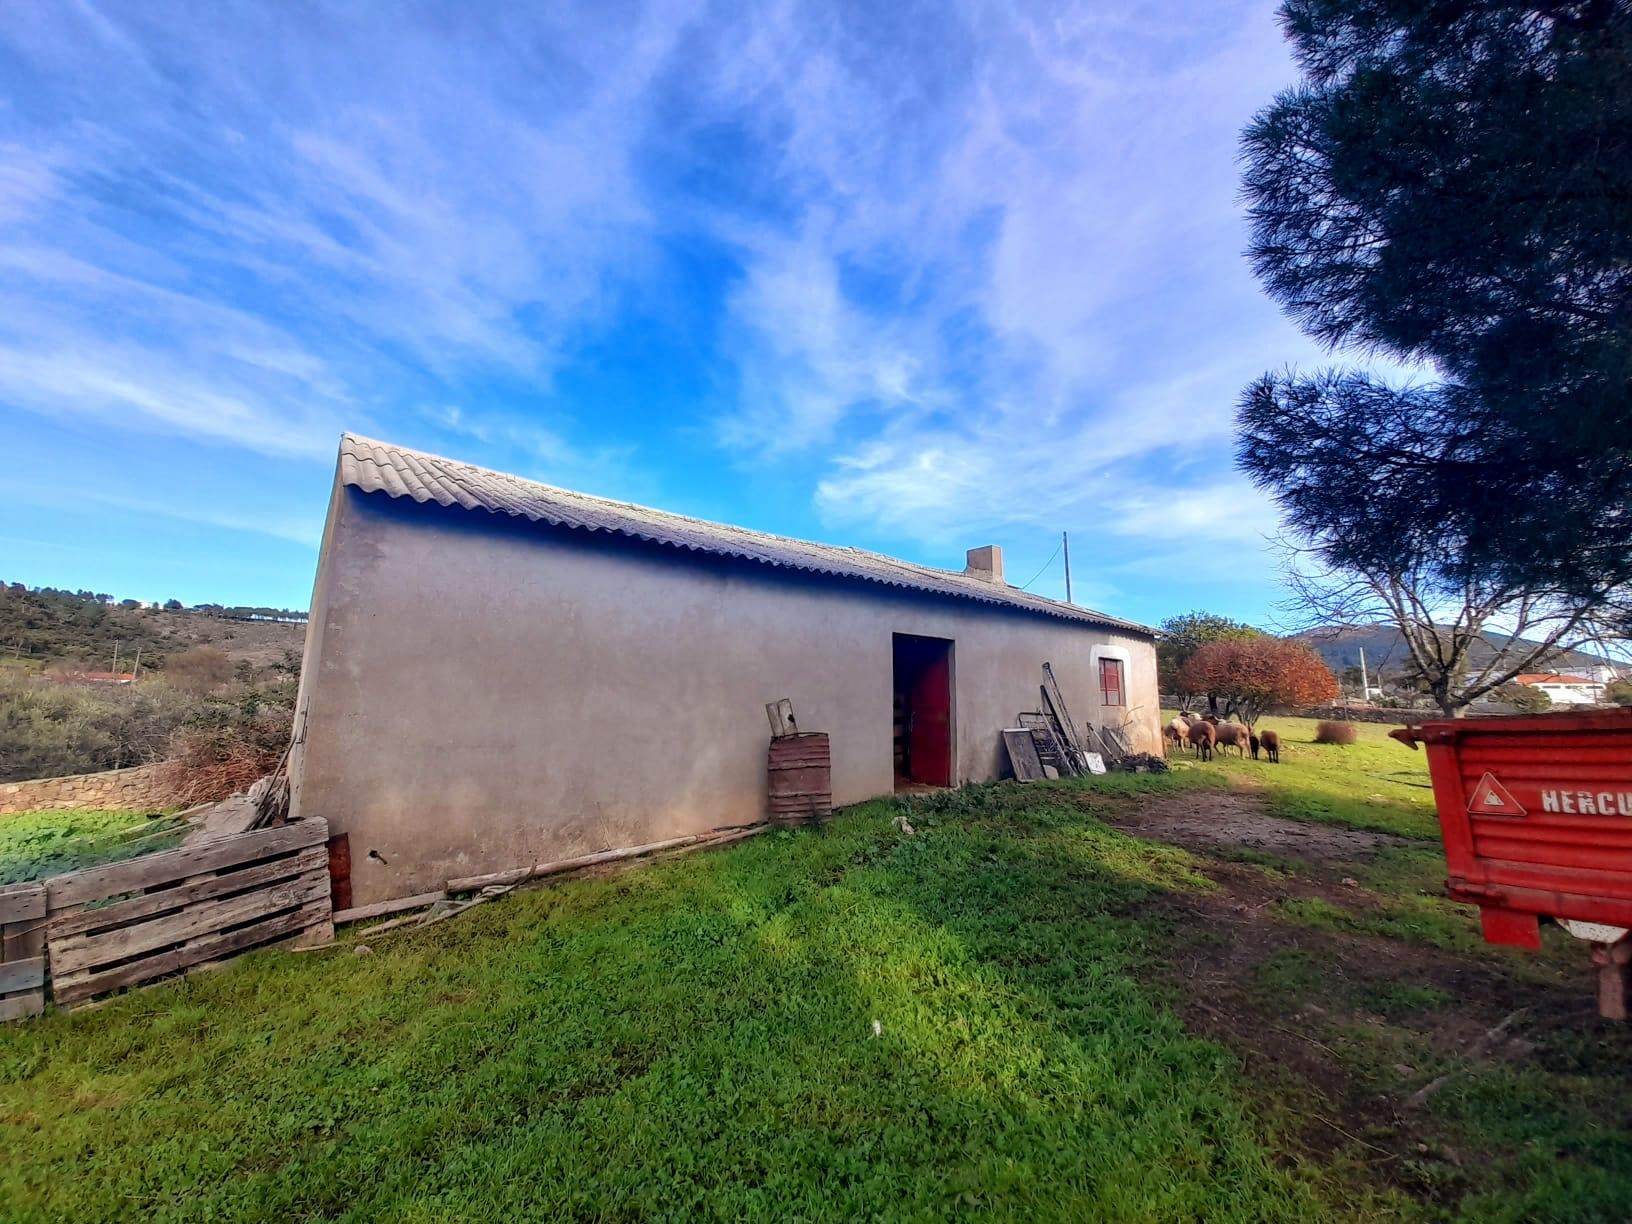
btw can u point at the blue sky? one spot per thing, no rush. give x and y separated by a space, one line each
908 277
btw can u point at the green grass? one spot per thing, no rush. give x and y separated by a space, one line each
1374 783
1436 923
1292 974
1536 1136
34 845
696 1038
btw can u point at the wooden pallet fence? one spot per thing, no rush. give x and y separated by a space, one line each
22 950
131 922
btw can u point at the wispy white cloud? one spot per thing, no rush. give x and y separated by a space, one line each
27 183
1048 320
301 526
970 267
304 212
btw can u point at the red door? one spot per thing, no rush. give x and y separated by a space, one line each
924 675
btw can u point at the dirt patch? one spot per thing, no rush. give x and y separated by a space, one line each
1338 1030
1236 820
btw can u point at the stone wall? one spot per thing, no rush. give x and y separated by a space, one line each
1366 714
143 786
1353 713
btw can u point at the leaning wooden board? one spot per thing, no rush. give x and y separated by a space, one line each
22 950
128 923
1028 766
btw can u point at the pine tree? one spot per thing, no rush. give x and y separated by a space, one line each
1450 187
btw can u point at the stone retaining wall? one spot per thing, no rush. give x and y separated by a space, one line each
142 786
1365 714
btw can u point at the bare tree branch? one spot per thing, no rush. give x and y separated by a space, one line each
1464 638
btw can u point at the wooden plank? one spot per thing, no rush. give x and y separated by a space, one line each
213 947
314 936
77 952
21 940
780 712
1066 735
20 902
517 874
678 845
724 839
22 975
168 866
1028 766
380 908
19 1006
133 909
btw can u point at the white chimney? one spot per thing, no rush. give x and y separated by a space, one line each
986 564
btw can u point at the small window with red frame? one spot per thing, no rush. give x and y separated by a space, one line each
1111 689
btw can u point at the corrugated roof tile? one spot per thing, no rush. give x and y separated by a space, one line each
379 467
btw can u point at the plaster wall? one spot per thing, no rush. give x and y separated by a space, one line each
483 693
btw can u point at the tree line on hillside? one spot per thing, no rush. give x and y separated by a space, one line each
44 624
226 722
227 611
1242 670
40 625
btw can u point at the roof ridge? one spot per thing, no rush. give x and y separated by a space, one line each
375 466
620 504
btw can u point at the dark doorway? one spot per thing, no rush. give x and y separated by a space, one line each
923 711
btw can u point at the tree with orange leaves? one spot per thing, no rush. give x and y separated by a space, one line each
1253 674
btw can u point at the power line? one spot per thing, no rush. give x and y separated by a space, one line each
1046 564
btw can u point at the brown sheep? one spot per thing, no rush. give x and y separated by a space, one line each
1202 735
1176 730
1272 746
1233 735
1254 742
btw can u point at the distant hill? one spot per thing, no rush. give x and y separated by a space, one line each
40 627
1385 649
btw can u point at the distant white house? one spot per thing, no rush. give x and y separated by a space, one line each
1565 689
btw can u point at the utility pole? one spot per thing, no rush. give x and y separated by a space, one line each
134 675
1065 543
1365 684
116 658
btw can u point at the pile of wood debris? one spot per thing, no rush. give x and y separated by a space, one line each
263 805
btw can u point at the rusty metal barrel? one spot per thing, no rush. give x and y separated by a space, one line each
800 778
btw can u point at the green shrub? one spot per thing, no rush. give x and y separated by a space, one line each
34 845
1523 698
51 729
47 730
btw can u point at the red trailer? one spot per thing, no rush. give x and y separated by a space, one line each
1536 814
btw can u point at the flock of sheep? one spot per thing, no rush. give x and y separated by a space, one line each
1207 734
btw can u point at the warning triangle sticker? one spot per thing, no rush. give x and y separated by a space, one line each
1490 798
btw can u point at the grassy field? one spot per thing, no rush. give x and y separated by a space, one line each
1375 783
1021 1009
